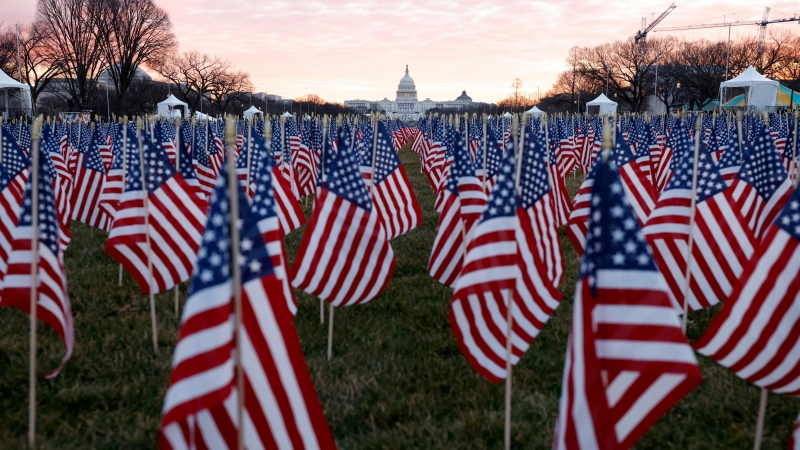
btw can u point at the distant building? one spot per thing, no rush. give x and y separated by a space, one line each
406 105
268 97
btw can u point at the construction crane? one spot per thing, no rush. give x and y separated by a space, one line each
762 32
641 35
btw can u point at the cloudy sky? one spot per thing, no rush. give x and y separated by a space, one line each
342 49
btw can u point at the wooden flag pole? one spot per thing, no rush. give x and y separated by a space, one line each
124 167
485 150
178 169
692 211
139 126
794 149
739 130
762 412
233 189
34 281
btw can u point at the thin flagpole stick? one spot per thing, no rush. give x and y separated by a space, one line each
794 149
124 168
34 284
692 212
762 412
139 125
485 178
330 331
177 166
739 130
233 186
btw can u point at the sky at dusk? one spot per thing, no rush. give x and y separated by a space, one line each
344 50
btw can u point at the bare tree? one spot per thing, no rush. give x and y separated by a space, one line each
8 51
194 75
229 87
71 27
39 64
132 33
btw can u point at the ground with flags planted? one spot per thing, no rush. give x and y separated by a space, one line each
397 379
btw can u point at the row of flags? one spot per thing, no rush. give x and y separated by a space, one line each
678 214
161 191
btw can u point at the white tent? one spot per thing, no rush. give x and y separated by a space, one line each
200 116
252 112
507 114
751 89
172 107
535 112
601 105
6 84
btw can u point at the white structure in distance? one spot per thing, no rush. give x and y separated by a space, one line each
406 106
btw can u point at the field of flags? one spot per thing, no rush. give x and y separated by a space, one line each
674 214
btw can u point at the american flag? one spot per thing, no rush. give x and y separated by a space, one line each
266 213
52 303
391 191
345 257
755 333
14 171
578 222
163 133
462 206
291 145
56 166
485 286
790 151
280 409
762 186
722 242
186 166
486 168
731 160
634 170
777 126
206 175
562 205
304 168
627 359
89 178
290 215
541 245
112 188
677 134
176 219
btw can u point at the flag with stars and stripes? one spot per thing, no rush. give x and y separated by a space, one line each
562 205
790 150
52 303
175 221
579 217
762 186
390 189
539 243
731 160
755 334
634 170
463 200
90 174
777 126
290 215
281 408
163 132
722 242
50 145
14 170
206 176
112 188
305 171
345 257
487 161
627 360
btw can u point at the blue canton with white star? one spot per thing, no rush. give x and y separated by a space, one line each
48 221
341 175
533 183
762 167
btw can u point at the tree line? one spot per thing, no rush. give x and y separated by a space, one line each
72 44
689 73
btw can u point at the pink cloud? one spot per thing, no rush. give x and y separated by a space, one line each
359 48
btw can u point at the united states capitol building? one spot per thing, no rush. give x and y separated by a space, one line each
406 106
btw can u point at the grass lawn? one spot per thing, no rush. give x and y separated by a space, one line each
397 379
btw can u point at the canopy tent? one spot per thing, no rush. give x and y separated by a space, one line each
535 112
172 107
749 89
200 116
252 112
507 114
601 105
7 84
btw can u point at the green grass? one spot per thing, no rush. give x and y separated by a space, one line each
397 379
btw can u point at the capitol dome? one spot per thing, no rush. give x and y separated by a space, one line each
406 90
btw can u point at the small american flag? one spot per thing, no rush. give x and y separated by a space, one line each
755 333
90 175
762 186
176 219
627 359
52 305
345 257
